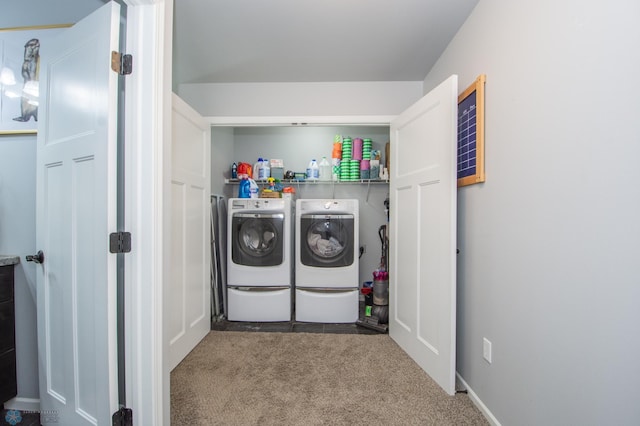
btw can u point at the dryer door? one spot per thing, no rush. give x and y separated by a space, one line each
326 241
257 239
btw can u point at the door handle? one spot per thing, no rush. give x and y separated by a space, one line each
37 258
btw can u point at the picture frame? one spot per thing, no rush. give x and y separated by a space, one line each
471 134
20 50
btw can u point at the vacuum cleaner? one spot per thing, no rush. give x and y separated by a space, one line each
376 296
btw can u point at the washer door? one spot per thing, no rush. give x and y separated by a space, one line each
326 241
257 239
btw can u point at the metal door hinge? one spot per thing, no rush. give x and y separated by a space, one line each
121 63
120 242
122 417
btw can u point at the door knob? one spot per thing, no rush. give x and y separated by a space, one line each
38 257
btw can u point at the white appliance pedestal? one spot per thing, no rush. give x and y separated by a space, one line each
326 305
259 304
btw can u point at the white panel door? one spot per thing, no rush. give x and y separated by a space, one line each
422 311
188 307
76 211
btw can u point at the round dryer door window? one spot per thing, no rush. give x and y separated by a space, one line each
328 242
258 241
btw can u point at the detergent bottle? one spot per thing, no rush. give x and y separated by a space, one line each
326 170
313 171
257 167
253 189
244 190
265 172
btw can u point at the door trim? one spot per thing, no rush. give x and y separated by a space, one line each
148 135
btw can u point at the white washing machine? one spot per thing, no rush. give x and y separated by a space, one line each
327 269
260 259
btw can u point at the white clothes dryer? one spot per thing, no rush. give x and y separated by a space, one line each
260 259
327 267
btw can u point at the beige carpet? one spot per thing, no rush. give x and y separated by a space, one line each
254 378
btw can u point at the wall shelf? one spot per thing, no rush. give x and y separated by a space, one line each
293 182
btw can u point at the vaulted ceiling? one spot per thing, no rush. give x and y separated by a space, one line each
222 41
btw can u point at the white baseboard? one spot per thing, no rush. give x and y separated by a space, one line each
23 404
478 403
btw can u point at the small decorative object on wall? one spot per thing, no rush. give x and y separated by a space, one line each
20 49
471 134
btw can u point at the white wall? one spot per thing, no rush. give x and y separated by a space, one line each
301 99
18 237
549 244
222 158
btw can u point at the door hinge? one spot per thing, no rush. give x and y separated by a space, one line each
122 417
120 242
121 63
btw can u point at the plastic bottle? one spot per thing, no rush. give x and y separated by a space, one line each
326 171
244 190
253 189
234 171
313 171
265 172
256 169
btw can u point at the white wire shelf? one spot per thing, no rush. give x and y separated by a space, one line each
317 182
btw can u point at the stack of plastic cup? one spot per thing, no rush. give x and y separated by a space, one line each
366 149
337 150
374 169
364 169
357 149
336 156
344 170
335 169
347 149
345 163
349 170
354 170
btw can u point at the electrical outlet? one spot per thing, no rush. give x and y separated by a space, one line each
486 349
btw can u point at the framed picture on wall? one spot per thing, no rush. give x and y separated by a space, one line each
471 133
20 50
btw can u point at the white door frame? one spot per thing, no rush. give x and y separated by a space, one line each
147 174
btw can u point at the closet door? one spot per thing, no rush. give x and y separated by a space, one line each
188 306
423 190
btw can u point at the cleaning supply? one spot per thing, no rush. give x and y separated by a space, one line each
288 192
313 170
325 170
245 170
253 189
257 167
277 168
234 171
243 190
265 171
